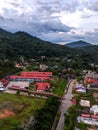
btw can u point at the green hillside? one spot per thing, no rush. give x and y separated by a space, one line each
15 46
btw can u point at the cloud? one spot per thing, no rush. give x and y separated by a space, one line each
41 19
14 4
93 5
53 20
2 18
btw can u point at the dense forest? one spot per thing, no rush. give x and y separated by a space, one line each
13 46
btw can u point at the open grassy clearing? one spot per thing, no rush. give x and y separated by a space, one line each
59 86
15 109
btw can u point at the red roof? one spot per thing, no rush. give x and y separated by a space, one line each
90 80
5 81
36 73
94 116
88 116
16 87
28 77
74 102
33 75
42 85
85 115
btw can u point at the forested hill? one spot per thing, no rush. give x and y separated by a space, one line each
21 44
14 45
4 33
89 53
78 44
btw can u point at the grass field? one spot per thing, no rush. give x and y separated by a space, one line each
15 109
59 86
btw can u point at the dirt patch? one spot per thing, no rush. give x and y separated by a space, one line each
20 107
6 113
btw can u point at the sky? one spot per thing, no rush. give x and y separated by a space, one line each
57 21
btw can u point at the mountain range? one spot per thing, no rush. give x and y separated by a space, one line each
15 45
21 44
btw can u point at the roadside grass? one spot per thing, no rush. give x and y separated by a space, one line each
56 120
70 118
22 106
58 86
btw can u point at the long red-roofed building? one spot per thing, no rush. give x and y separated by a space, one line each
89 116
85 115
34 75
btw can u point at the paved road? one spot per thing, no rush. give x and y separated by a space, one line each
66 103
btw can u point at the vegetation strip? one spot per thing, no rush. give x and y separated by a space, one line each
45 116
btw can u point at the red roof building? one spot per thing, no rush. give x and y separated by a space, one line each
89 116
5 81
33 75
94 116
36 73
74 102
86 115
42 86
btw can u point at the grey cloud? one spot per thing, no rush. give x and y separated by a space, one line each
51 7
12 13
1 18
5 20
86 16
55 37
55 26
51 26
78 37
93 6
90 4
57 6
44 10
71 6
14 4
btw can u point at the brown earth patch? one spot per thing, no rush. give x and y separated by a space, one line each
20 107
6 113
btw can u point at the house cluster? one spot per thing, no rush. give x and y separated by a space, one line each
90 83
34 78
89 112
89 115
91 80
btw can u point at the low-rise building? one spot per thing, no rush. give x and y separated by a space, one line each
94 109
85 103
18 84
43 86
